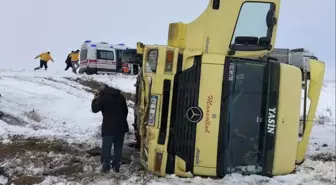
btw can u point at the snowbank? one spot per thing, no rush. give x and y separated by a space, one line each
323 132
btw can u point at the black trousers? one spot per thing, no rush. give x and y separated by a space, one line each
106 157
68 65
42 64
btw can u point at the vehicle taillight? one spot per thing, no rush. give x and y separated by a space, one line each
158 162
169 61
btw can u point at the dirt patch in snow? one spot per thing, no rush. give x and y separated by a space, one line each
325 157
94 86
58 81
21 121
12 120
33 115
30 161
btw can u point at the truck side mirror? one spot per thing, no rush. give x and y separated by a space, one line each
271 20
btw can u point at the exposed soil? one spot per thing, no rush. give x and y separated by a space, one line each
94 86
30 161
12 120
57 81
19 121
325 157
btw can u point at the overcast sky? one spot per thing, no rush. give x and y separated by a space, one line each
28 27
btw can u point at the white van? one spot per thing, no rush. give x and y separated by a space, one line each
101 58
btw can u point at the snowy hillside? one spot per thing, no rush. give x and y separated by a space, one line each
59 102
49 135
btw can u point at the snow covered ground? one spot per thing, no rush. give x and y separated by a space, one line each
53 106
63 106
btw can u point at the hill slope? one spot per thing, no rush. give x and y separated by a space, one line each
50 116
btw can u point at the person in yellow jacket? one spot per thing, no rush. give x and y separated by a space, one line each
74 60
44 58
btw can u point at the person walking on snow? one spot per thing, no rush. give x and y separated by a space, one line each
68 61
75 60
44 59
114 109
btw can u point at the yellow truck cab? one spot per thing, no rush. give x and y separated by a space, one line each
213 102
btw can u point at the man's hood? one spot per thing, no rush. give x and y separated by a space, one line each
111 91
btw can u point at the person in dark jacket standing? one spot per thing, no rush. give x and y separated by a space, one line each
68 61
114 109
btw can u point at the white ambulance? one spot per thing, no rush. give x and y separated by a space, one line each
101 58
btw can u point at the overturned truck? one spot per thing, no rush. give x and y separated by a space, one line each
218 100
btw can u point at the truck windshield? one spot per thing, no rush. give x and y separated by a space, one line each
105 55
245 111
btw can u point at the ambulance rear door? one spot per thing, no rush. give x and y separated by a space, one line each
106 60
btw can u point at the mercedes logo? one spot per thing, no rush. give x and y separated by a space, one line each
194 114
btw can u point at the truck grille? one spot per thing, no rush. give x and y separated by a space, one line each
186 92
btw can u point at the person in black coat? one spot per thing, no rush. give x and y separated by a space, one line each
68 61
114 109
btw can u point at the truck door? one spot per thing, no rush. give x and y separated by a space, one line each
248 93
